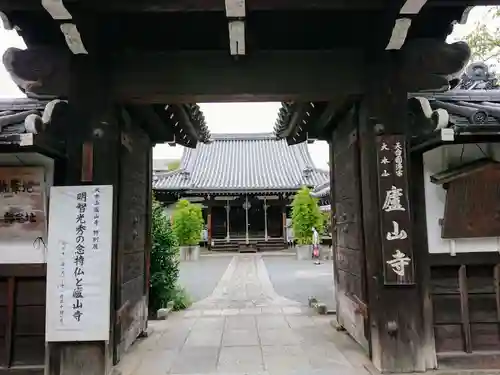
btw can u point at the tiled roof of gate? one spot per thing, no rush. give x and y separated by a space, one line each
243 162
13 113
468 107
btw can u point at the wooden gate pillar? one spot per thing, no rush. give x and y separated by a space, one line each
92 141
379 274
395 311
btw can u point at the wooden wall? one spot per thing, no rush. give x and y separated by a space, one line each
465 294
460 294
22 298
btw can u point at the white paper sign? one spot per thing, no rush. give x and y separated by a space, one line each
79 263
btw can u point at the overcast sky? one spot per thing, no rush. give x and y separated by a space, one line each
223 117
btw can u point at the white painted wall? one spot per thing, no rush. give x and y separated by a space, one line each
438 160
31 253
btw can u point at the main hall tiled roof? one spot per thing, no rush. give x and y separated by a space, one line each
243 162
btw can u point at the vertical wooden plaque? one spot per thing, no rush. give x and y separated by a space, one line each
395 218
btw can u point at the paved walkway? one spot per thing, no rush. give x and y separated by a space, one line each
244 327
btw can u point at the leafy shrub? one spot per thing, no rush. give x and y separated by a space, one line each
181 299
327 223
305 215
164 267
187 223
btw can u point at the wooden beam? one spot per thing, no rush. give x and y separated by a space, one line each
197 5
215 76
158 130
207 76
297 115
186 121
190 77
326 116
218 5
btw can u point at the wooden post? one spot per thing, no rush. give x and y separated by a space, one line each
228 209
149 225
283 221
209 226
333 221
396 333
423 269
265 218
93 124
246 206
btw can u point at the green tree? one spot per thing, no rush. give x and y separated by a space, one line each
187 222
173 165
305 215
484 39
327 223
164 267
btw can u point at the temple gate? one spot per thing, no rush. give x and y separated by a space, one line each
124 88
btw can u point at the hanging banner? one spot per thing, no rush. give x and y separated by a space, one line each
79 263
395 219
22 215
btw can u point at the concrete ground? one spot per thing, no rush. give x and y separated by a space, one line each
299 280
200 278
244 327
293 279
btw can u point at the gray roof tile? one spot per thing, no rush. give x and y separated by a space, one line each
321 190
14 112
243 162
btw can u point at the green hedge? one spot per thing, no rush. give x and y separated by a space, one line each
164 263
187 223
305 215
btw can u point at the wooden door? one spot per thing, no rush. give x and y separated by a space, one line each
132 260
348 249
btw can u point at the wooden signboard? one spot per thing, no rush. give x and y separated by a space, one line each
22 215
79 263
397 253
472 202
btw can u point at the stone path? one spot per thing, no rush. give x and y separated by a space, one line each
244 327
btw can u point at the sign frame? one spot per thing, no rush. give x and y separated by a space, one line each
394 210
79 268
